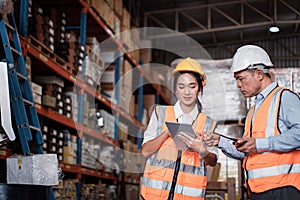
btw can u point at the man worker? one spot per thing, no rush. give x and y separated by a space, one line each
270 147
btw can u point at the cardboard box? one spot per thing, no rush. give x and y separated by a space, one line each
118 7
36 88
38 169
50 80
108 77
111 3
49 101
37 98
125 19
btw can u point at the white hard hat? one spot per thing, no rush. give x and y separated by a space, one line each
250 56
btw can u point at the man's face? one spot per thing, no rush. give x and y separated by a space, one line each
248 82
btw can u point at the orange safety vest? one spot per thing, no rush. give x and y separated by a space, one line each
159 170
269 170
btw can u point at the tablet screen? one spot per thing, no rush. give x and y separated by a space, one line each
175 128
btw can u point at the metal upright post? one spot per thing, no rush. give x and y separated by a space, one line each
83 21
83 27
23 26
117 91
140 107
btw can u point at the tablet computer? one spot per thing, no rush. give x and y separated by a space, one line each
175 128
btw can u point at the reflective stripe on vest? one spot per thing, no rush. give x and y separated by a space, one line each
179 189
159 169
272 114
160 112
270 170
183 167
274 171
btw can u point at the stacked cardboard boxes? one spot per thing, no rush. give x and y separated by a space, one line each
28 67
107 158
90 154
123 132
287 77
86 110
41 26
118 7
107 81
36 93
67 106
59 20
125 24
134 161
53 141
105 11
111 12
93 192
52 92
108 128
72 52
69 147
65 190
70 102
94 65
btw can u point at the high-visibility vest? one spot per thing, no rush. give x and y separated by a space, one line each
159 170
269 170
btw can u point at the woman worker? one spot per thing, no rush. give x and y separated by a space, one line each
171 173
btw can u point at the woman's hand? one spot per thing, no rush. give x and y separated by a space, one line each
194 144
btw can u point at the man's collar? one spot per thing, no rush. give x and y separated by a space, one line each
266 91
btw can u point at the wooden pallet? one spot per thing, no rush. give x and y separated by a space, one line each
50 54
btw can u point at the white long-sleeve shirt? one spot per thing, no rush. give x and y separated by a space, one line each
151 131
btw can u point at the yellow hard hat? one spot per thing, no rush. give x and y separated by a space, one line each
189 64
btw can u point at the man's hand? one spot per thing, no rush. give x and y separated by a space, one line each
247 145
211 139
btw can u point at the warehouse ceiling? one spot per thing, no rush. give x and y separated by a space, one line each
214 22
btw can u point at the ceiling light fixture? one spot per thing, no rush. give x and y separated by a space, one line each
274 29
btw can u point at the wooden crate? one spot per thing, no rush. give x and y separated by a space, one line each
118 7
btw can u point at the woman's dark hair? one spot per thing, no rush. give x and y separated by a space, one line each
199 81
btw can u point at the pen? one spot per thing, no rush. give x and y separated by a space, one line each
230 138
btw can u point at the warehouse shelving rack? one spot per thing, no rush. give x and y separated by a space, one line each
44 57
20 92
41 53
